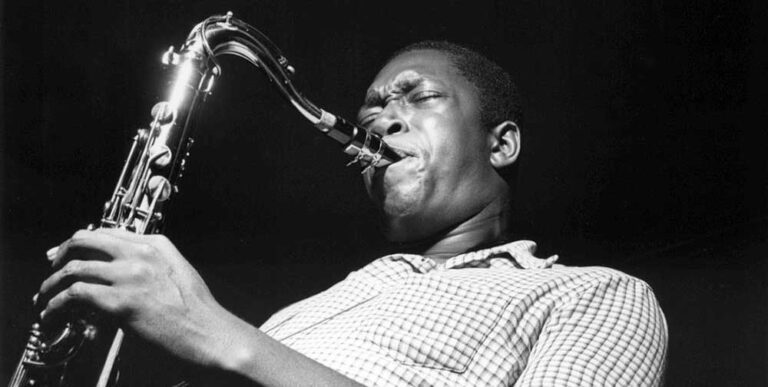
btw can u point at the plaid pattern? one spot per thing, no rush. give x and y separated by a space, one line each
494 317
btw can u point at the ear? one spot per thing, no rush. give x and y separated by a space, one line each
504 140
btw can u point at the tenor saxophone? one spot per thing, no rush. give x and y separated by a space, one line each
83 349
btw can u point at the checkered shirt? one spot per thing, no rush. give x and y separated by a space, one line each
495 317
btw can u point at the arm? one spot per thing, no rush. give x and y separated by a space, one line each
144 282
613 333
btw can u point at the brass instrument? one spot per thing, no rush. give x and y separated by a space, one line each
83 349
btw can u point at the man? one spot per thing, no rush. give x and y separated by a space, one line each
458 307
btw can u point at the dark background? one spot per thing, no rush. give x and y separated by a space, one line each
642 149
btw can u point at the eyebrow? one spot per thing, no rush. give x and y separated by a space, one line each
401 84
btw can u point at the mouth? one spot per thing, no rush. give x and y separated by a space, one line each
378 171
403 155
402 152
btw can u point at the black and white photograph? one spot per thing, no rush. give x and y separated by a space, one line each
399 193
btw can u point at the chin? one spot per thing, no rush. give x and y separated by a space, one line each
397 218
402 201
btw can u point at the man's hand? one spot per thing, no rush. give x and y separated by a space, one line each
146 284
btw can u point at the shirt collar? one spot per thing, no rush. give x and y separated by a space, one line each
517 254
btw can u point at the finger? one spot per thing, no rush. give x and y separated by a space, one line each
98 272
51 254
157 241
88 245
124 234
98 296
76 247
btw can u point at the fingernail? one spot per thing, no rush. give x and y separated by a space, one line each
52 253
34 298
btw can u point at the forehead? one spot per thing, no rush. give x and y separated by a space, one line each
417 66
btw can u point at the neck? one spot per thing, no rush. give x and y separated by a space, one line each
485 227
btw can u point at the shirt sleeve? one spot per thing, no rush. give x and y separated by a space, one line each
611 334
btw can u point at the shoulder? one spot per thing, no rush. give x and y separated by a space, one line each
596 285
603 298
589 276
557 278
607 328
602 281
559 293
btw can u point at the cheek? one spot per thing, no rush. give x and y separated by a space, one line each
458 174
454 159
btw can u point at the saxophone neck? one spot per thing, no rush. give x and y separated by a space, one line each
227 35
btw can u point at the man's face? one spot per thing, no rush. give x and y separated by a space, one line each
429 113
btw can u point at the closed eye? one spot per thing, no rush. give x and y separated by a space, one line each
367 120
418 97
424 96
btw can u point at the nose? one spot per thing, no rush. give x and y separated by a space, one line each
388 123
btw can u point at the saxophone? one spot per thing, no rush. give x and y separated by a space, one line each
83 349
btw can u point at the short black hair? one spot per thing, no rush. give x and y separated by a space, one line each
498 95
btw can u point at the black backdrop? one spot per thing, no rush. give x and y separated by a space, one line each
642 149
